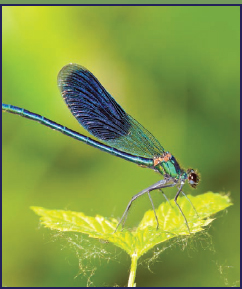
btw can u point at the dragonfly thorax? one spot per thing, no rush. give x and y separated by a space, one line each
166 164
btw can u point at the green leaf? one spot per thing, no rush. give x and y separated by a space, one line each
145 236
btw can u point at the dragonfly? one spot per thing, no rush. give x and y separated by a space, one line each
119 133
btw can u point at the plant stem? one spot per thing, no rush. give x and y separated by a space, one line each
133 268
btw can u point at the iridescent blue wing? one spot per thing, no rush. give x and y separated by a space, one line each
97 111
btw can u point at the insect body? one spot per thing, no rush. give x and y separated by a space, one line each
119 133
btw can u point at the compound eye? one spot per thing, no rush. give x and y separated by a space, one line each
193 178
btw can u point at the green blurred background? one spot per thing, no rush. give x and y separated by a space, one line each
175 70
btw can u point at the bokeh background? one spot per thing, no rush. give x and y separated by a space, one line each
175 70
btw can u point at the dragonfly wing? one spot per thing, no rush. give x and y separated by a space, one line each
139 141
98 112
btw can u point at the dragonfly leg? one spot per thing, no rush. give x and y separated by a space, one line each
161 184
157 222
124 216
165 197
190 203
175 200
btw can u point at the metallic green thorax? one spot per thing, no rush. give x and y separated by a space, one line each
171 168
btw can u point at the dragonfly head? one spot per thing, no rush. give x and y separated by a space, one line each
193 178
